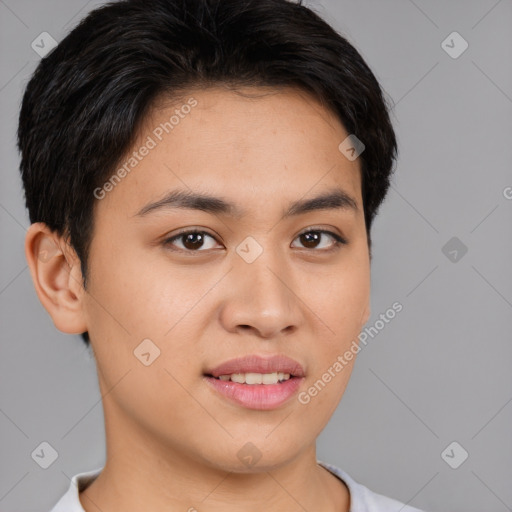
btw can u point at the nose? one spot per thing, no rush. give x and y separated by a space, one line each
263 298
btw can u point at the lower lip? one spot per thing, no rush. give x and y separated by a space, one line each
257 396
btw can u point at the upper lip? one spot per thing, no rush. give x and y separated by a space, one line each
258 364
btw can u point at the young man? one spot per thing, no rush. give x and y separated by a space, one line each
201 178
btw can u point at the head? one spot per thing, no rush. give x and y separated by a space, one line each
239 114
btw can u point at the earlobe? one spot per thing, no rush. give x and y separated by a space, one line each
57 278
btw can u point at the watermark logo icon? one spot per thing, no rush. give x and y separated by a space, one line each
45 455
47 250
351 147
454 45
43 44
249 454
454 455
146 352
454 249
249 249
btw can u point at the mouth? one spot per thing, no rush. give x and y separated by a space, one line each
256 382
252 378
254 365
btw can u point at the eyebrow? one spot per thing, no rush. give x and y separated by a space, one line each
334 199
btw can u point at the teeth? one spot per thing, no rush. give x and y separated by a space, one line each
256 378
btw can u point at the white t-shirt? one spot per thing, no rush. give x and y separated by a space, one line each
361 498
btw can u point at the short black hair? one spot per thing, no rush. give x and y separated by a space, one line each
87 98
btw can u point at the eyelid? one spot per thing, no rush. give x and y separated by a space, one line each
320 229
339 240
191 229
185 231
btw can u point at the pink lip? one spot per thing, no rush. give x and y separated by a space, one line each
257 396
258 364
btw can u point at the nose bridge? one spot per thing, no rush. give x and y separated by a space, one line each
266 279
266 272
262 295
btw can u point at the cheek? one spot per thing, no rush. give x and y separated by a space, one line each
341 298
139 297
140 308
340 301
156 394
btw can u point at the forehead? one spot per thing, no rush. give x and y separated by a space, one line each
253 146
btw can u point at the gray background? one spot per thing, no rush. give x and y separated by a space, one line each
439 372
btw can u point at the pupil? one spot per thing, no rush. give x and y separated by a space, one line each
189 240
311 238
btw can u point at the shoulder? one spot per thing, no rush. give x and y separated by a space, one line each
70 502
363 499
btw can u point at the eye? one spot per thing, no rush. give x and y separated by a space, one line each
191 241
313 236
196 240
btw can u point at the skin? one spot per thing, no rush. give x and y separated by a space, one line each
172 441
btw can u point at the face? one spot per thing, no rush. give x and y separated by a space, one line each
259 278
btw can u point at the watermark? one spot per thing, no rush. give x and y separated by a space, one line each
351 147
146 352
454 45
342 361
45 454
43 44
249 249
249 454
454 455
151 142
454 249
507 192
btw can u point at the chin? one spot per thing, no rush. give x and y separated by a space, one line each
255 454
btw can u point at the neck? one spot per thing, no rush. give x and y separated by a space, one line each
147 475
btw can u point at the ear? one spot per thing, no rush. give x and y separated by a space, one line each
57 277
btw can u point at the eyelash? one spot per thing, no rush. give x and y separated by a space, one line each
338 240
